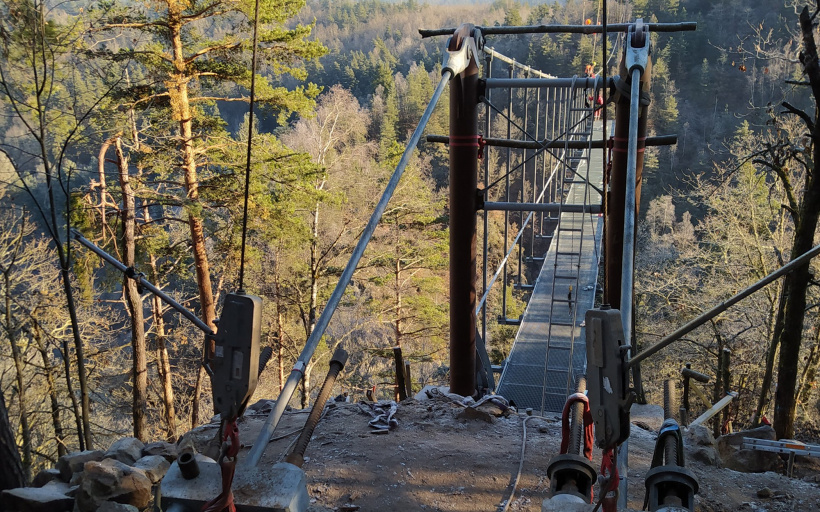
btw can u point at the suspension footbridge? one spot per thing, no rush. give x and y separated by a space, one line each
549 350
530 146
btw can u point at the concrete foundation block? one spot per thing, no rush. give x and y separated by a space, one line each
281 488
565 503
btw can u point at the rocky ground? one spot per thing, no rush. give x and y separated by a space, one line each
442 456
439 458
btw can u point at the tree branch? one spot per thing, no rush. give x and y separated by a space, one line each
799 113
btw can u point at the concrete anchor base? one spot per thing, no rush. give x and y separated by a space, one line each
281 488
565 503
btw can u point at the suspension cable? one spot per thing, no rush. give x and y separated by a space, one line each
250 144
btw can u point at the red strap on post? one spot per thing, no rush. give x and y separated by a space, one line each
468 141
589 434
227 463
231 434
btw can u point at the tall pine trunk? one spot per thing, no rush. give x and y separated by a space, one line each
178 88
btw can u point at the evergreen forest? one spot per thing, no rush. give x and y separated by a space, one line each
127 121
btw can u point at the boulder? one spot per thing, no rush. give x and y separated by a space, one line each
45 476
472 413
51 498
260 407
699 444
747 461
76 478
127 450
111 480
73 462
154 467
187 443
62 487
167 450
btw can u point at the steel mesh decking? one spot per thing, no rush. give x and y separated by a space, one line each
538 372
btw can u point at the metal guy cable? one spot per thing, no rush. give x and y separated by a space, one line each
250 142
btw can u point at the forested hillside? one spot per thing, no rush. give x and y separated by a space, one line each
128 122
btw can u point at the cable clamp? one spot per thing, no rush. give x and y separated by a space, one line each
299 366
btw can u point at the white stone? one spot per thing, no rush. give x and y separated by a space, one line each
127 450
73 462
111 480
154 467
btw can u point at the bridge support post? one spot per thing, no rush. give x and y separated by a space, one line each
464 147
616 181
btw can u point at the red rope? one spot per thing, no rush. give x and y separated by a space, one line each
227 463
589 433
609 492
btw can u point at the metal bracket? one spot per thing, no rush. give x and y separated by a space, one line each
637 47
462 49
235 357
607 377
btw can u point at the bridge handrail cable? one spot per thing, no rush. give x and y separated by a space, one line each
559 164
489 50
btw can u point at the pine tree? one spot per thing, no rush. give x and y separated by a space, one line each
188 65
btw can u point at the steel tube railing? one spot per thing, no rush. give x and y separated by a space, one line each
565 29
505 206
187 313
660 140
503 58
723 306
297 373
503 263
512 83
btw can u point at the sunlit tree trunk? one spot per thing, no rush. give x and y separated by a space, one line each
163 361
178 88
48 369
17 357
139 369
805 226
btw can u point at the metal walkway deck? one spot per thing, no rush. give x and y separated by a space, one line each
549 352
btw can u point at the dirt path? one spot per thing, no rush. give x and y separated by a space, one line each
437 460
